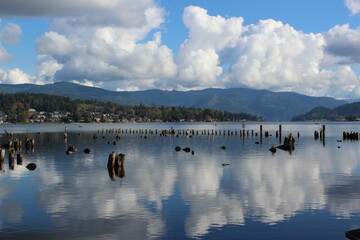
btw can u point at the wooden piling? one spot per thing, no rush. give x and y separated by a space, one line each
11 160
280 128
19 159
111 160
2 154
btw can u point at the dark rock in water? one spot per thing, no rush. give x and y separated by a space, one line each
353 234
178 149
257 142
31 166
187 149
114 143
87 150
272 149
223 147
192 152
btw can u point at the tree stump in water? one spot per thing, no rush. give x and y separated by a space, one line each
289 144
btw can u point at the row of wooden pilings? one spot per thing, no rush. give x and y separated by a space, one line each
19 159
320 135
351 136
14 147
187 132
17 144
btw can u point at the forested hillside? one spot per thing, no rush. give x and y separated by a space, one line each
15 108
346 112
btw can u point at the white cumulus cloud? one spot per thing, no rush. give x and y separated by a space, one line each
10 34
15 76
271 54
118 52
353 6
4 55
342 46
117 44
222 52
199 61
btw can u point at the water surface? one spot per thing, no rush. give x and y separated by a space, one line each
311 193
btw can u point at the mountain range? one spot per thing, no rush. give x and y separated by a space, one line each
272 106
349 112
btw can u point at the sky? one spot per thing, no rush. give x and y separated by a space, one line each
311 46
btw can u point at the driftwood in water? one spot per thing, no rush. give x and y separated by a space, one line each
289 143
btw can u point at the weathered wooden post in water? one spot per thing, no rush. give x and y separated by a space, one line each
280 128
2 154
119 165
2 157
11 159
111 160
19 159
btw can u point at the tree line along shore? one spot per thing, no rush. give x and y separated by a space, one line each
44 108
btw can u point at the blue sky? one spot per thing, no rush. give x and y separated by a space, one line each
310 46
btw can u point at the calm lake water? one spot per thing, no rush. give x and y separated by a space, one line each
311 193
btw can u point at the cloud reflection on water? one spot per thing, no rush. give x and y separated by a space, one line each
75 191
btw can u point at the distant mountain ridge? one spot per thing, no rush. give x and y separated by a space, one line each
272 106
349 112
